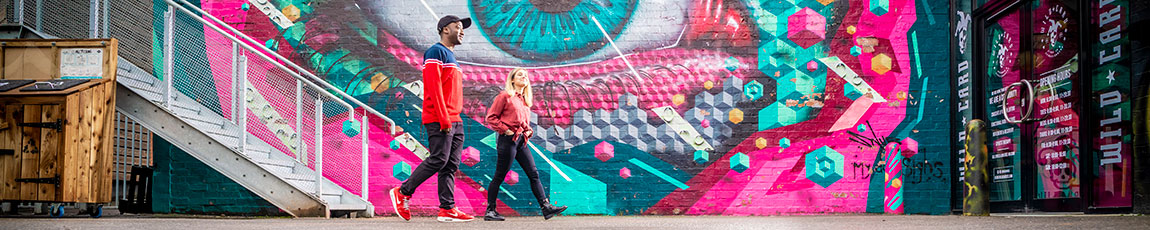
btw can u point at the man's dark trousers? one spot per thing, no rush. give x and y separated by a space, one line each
445 150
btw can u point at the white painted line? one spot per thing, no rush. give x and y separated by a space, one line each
429 9
624 57
549 161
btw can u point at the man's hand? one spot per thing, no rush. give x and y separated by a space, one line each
508 132
528 133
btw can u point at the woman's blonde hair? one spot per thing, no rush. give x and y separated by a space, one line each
510 87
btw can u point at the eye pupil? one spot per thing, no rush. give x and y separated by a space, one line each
555 6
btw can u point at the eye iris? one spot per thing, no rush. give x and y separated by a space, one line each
555 30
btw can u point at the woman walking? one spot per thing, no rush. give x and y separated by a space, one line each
508 116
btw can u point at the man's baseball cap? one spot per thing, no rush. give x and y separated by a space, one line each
452 18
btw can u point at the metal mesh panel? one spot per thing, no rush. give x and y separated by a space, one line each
341 152
193 72
30 15
9 11
65 18
308 124
272 101
130 22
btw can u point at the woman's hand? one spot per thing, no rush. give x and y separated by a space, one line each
508 132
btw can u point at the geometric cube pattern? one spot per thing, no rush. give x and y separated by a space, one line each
628 124
740 162
604 151
880 63
512 177
806 27
851 92
753 90
909 147
783 42
291 12
761 143
776 115
824 166
879 7
394 145
702 156
470 156
351 127
401 171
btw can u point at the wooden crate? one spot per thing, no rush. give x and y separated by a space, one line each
56 146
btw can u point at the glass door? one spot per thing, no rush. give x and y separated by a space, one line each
1030 78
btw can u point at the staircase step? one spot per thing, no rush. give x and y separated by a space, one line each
290 164
256 152
145 79
298 177
347 207
185 109
272 186
332 198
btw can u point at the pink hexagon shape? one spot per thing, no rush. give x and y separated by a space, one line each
512 178
909 147
604 151
625 173
806 27
470 156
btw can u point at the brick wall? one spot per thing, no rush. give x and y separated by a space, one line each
757 107
183 184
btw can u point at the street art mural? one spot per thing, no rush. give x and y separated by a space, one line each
692 107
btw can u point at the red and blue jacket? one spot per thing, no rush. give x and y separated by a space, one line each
443 87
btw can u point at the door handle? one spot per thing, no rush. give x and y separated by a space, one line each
1029 100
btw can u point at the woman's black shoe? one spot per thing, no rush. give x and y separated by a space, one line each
550 211
492 216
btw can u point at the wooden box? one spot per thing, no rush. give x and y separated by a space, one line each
56 146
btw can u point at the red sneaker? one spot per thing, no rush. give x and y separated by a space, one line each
399 202
453 215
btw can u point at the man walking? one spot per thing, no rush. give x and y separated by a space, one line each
442 103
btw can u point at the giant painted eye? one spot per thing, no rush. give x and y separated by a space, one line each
536 33
551 30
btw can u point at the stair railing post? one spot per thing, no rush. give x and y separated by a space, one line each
300 153
363 154
319 147
19 11
169 22
242 91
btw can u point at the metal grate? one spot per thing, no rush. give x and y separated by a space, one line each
65 18
30 16
193 72
8 11
133 147
133 22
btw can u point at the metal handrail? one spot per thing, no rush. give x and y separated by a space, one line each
281 59
321 90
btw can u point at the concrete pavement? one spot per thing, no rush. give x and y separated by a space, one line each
859 221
